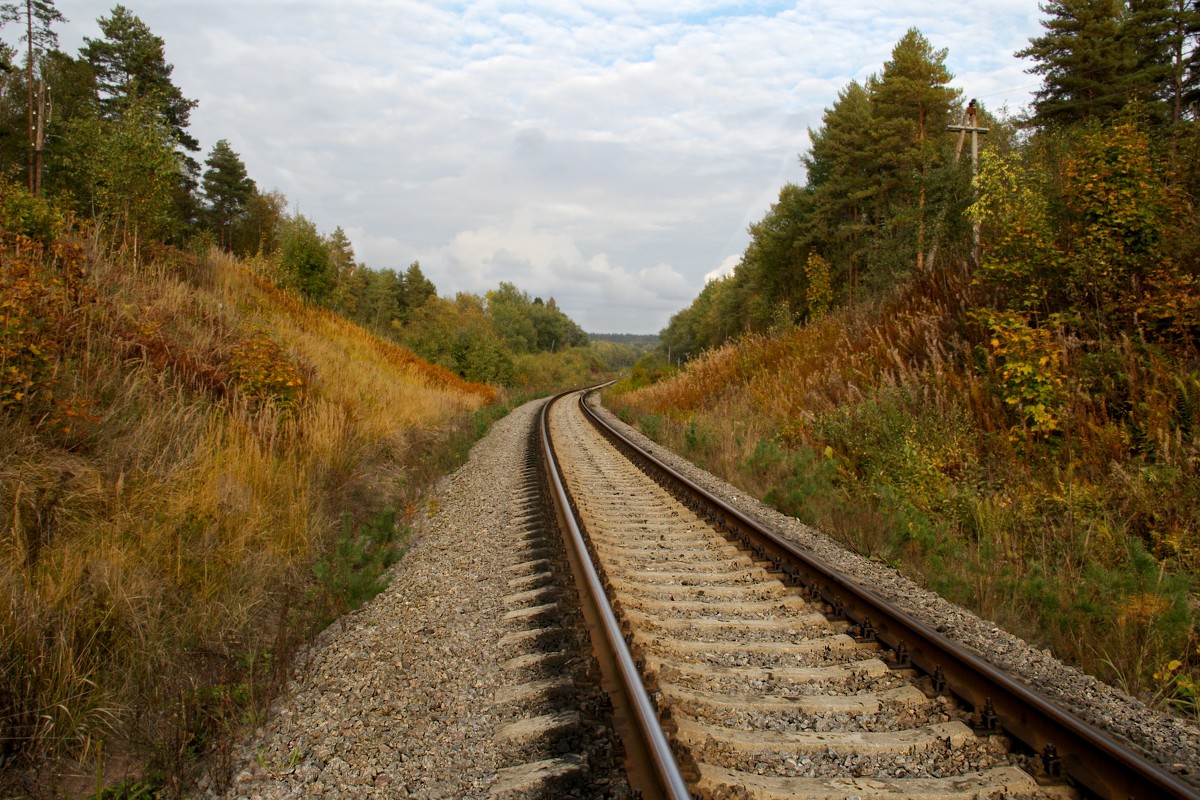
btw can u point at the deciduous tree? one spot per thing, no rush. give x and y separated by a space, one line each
508 307
125 171
259 231
304 256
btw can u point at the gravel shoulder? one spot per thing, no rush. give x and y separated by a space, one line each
397 699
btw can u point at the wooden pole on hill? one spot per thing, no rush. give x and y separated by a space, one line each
970 125
39 139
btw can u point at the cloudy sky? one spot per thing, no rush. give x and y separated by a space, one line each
608 153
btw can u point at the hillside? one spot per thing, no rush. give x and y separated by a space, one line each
982 372
886 428
198 470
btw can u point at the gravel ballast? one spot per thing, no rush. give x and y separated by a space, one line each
436 688
1163 739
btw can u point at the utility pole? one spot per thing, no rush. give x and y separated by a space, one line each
970 125
39 139
29 90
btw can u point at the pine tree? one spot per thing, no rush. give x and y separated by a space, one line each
228 190
341 254
1191 61
39 38
1183 43
1098 56
349 295
379 306
416 290
772 268
911 103
130 62
349 280
131 68
1156 33
844 182
1084 59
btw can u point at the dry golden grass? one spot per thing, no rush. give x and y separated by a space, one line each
161 524
790 378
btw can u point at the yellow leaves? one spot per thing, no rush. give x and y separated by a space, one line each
264 371
1142 608
819 292
1171 667
150 328
39 300
1179 685
1029 368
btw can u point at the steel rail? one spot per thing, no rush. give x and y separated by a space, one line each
1083 753
649 761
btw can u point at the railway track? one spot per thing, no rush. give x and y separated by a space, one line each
740 667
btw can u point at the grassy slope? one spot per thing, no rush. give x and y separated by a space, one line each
885 427
181 445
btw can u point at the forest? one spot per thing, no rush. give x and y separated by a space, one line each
984 374
108 141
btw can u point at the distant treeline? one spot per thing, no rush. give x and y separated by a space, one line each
117 150
641 340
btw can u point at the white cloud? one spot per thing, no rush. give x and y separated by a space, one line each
590 287
725 269
606 153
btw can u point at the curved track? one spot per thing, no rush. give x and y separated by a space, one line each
761 688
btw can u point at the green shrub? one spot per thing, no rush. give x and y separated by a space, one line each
806 483
698 439
24 214
765 460
652 426
355 571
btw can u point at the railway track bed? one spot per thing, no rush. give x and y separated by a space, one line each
470 676
763 691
